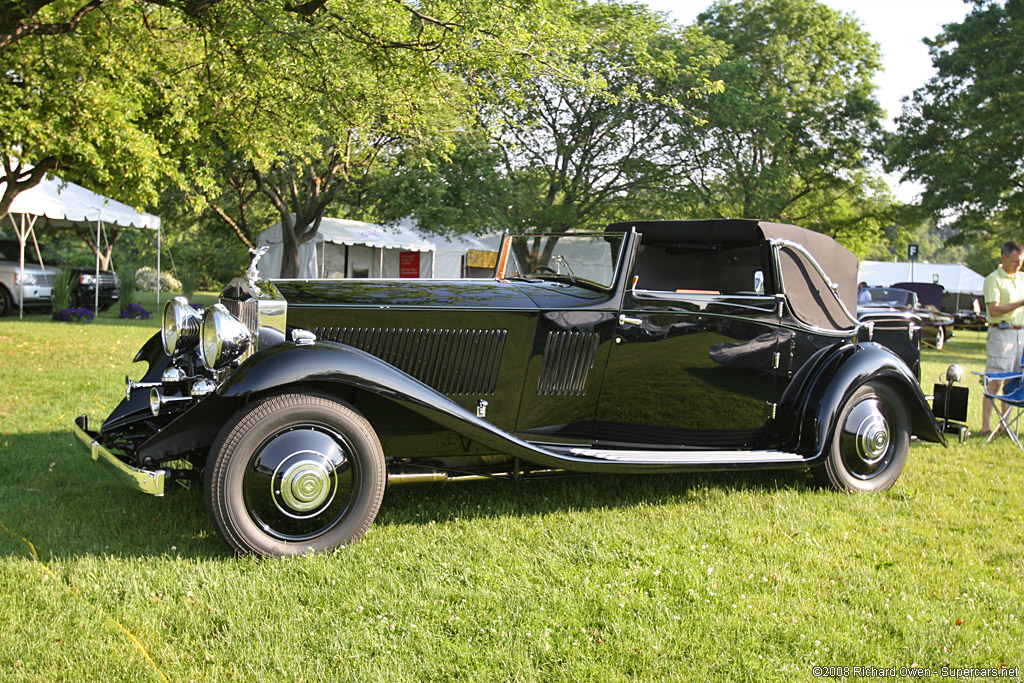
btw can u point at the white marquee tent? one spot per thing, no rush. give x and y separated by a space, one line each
344 248
955 279
63 203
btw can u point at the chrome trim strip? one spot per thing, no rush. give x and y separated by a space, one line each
689 457
147 481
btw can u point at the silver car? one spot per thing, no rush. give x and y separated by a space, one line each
37 287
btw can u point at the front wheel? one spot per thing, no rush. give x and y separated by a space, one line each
6 302
294 473
940 338
871 441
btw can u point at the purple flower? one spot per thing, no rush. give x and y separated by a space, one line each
134 311
78 314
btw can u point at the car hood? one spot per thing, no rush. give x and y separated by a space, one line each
492 294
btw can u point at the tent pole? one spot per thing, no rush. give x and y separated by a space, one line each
22 238
159 230
96 282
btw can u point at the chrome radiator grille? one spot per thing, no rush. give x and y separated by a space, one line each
248 312
454 362
568 358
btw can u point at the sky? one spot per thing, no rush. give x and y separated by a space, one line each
897 25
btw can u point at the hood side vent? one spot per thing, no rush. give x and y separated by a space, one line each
454 362
568 359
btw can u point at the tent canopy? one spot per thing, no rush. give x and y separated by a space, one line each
65 204
955 278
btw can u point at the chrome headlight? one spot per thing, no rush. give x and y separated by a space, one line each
30 279
181 325
224 338
87 278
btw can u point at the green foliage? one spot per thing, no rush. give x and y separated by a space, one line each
189 279
126 284
98 104
63 285
790 137
961 135
301 111
580 152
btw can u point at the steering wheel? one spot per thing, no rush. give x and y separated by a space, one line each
543 269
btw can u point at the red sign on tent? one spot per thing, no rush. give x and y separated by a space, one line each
409 264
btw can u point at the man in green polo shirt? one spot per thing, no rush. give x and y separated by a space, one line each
1004 299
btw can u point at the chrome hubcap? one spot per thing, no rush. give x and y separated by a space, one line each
304 486
300 482
866 439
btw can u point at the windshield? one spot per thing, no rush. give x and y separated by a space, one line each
576 258
881 296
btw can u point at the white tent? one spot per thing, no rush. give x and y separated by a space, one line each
344 248
62 203
955 279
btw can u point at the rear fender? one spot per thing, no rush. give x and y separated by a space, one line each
811 406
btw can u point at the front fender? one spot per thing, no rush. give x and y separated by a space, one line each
330 365
815 406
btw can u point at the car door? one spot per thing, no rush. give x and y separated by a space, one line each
689 365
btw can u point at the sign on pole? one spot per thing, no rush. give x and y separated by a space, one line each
911 252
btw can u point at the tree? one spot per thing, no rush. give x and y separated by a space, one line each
790 137
578 152
96 104
962 134
316 106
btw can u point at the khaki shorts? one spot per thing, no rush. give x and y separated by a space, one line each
1004 349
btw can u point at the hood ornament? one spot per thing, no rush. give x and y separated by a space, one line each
253 273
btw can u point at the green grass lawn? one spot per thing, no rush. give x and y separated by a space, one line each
619 578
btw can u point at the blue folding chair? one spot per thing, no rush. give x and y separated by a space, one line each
1012 398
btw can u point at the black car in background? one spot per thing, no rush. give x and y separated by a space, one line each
651 347
86 280
936 326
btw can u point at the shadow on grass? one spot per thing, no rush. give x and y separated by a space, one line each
55 497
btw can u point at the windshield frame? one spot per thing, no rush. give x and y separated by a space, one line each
573 273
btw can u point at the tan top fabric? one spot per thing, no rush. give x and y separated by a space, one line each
1002 288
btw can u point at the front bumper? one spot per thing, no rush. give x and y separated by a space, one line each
147 481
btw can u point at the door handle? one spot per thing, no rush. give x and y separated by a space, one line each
626 320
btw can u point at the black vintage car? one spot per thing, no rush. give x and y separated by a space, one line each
660 346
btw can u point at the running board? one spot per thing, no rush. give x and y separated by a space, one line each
710 459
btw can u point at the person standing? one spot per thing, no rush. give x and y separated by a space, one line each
1004 301
863 293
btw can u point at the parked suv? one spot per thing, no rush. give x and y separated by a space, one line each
38 284
39 281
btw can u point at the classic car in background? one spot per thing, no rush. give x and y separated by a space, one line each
660 346
39 281
937 326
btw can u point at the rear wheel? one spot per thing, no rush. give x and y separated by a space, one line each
871 441
294 473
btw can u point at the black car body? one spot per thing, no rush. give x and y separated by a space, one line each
660 346
936 326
